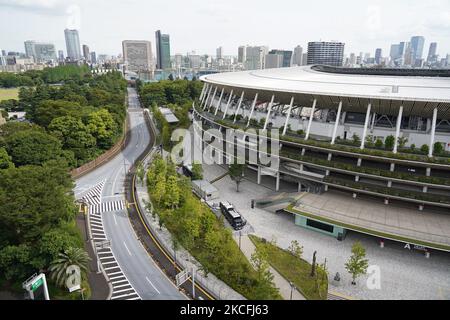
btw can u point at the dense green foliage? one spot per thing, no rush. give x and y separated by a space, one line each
69 124
197 229
48 76
177 96
291 266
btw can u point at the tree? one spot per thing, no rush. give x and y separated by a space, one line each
438 148
369 140
357 264
425 149
236 172
389 142
32 147
295 249
172 195
379 143
356 139
103 127
197 171
5 159
71 257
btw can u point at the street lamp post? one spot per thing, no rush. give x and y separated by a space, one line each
292 288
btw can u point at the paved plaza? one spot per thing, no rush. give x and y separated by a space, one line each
404 274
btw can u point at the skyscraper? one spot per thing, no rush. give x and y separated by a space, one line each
297 59
255 57
378 55
86 53
242 51
326 53
417 45
93 57
72 44
137 55
287 57
40 52
61 56
432 53
273 60
29 48
162 50
219 53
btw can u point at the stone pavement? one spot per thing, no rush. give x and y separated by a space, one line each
404 274
248 248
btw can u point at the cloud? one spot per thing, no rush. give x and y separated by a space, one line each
37 6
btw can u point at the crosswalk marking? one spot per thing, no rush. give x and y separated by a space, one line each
97 209
94 196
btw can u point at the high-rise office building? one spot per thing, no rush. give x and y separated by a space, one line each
242 54
255 57
86 53
4 53
417 46
219 53
432 53
287 57
162 50
326 53
61 56
93 57
137 55
378 55
297 59
395 52
29 49
73 44
40 52
273 60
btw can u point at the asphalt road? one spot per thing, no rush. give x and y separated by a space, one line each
140 270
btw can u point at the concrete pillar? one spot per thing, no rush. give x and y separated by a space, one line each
303 151
359 162
299 187
212 99
356 178
220 101
203 92
207 97
336 125
327 173
311 119
397 130
259 175
239 106
433 132
386 201
392 167
277 187
269 110
253 109
228 104
389 184
288 116
326 188
330 156
366 123
425 189
428 172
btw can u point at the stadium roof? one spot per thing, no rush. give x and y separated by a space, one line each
418 94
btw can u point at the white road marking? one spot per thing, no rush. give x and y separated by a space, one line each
152 285
129 252
115 220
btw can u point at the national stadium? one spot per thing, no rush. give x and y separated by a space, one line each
368 149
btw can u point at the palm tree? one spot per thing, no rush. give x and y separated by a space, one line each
71 257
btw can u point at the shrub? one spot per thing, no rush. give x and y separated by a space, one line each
389 142
425 149
438 148
379 143
356 139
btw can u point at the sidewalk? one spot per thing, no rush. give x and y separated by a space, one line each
281 283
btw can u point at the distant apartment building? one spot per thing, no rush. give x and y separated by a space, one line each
432 53
273 60
297 58
73 45
417 46
287 57
219 53
162 51
326 53
255 57
137 55
378 55
242 54
86 53
40 52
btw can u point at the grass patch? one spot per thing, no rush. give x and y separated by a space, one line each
7 94
293 269
383 235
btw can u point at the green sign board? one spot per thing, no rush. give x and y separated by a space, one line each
37 284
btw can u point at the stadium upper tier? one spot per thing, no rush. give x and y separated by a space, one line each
419 93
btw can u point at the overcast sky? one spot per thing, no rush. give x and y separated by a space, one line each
204 25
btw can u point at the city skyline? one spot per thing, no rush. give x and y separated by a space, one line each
377 27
